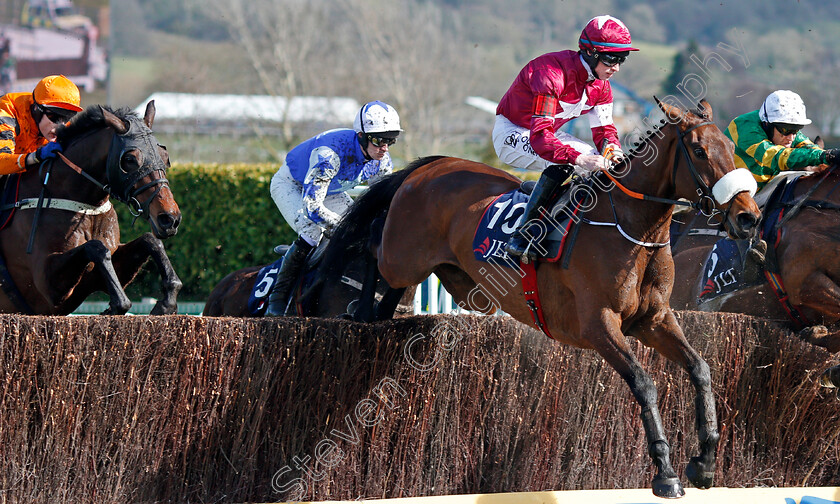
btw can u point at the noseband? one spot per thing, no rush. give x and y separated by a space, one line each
121 184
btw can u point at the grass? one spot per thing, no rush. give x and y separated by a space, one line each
130 79
662 55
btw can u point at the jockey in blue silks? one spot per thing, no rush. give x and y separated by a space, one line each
310 189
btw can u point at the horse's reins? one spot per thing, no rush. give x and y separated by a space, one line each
702 188
796 207
76 168
128 194
39 207
702 191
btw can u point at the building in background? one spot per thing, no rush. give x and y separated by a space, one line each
50 37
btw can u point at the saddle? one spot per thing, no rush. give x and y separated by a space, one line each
258 299
502 217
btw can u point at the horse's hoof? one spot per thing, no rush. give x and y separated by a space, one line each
345 316
698 475
111 311
831 377
668 488
814 335
117 309
161 309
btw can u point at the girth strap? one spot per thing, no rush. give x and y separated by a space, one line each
797 317
532 296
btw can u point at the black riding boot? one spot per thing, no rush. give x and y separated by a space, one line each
546 193
753 259
293 263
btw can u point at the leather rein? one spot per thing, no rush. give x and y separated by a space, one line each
127 196
704 205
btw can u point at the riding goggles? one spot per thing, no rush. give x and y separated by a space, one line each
787 129
380 141
612 59
56 115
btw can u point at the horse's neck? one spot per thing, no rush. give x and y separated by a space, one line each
652 179
66 183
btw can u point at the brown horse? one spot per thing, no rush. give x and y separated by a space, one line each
314 297
64 213
803 253
619 277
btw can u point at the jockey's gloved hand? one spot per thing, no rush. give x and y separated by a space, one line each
48 151
614 154
588 163
832 156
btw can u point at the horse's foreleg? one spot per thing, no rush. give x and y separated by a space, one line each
77 259
663 333
608 341
364 309
388 304
129 258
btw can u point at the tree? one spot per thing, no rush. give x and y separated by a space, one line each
391 51
682 67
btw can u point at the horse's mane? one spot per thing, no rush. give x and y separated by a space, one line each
639 144
350 238
87 120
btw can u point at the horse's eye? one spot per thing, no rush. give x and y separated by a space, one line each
129 162
700 153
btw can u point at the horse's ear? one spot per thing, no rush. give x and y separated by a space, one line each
819 142
705 109
149 116
113 121
673 114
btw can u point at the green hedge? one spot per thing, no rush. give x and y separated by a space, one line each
229 221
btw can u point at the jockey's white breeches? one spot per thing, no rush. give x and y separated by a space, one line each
513 145
287 194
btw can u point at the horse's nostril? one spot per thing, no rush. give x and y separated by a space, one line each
166 221
747 220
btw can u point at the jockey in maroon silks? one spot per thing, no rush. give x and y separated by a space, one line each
550 91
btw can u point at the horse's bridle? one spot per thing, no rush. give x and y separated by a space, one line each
123 190
121 184
706 204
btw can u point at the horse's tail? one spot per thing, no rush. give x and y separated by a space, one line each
352 236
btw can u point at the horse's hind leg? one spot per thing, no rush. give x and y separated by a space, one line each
663 333
606 338
129 258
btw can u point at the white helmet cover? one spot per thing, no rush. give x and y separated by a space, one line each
783 106
377 117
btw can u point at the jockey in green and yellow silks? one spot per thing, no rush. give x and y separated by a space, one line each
769 140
